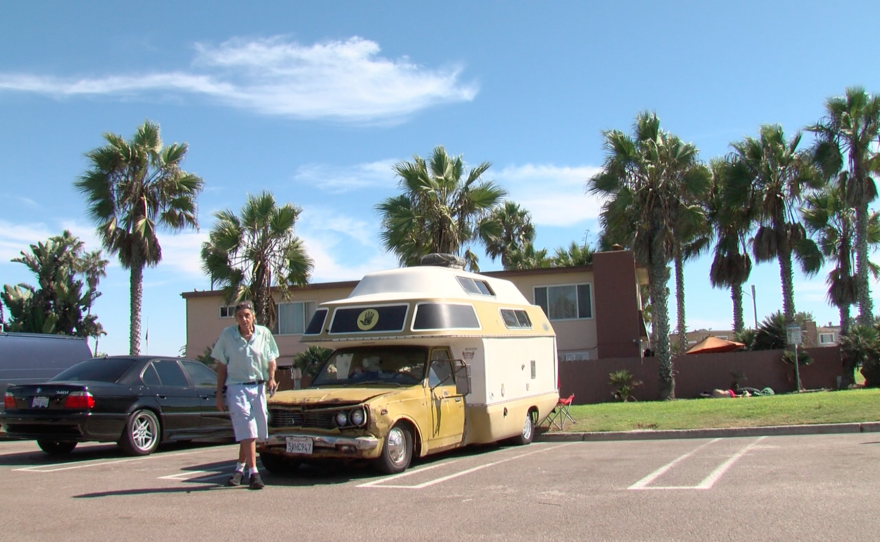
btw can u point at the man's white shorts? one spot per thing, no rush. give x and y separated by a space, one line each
247 409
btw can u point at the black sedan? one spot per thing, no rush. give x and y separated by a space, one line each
135 401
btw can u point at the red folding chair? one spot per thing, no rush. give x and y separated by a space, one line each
561 413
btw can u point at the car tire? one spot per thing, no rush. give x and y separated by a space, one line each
278 464
142 433
527 433
56 447
396 450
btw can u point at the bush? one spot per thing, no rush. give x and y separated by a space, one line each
625 385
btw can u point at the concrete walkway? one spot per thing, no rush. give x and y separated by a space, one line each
818 429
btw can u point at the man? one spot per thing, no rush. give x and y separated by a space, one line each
246 354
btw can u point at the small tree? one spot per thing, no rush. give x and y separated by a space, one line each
61 302
624 385
860 347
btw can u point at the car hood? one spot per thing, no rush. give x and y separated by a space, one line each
331 396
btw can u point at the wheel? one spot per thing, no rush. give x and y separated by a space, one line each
396 451
528 431
278 464
141 434
56 447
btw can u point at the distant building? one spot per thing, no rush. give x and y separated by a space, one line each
813 335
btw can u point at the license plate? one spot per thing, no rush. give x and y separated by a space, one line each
299 445
40 402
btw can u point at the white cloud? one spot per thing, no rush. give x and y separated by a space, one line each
556 196
339 80
339 179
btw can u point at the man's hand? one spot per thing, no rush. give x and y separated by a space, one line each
221 405
271 386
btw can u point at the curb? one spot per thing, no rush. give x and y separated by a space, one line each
649 434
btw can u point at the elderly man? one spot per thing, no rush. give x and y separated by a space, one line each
246 354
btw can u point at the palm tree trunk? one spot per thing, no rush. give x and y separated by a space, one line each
736 295
660 318
679 300
866 305
136 292
785 273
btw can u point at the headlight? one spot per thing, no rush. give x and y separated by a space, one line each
358 417
341 419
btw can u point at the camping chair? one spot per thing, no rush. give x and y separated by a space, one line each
561 413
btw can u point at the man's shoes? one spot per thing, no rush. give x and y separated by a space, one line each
257 481
235 479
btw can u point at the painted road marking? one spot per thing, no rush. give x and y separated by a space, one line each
707 482
387 483
57 467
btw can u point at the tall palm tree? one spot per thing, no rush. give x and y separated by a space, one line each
506 230
133 189
831 222
771 175
844 140
440 210
649 181
250 254
731 265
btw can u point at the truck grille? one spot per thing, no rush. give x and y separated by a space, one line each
318 419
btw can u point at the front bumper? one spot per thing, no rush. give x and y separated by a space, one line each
324 446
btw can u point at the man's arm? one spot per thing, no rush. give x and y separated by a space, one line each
272 385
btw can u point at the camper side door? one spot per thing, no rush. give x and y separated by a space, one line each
447 404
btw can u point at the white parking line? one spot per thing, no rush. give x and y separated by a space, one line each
57 467
382 482
707 482
187 475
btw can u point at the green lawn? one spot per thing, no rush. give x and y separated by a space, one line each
789 409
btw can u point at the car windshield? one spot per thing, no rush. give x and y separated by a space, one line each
390 365
96 370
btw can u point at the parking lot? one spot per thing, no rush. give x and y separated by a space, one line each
815 487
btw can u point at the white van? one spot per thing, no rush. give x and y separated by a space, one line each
425 359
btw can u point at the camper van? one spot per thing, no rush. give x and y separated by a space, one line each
425 359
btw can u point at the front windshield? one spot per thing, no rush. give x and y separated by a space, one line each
395 365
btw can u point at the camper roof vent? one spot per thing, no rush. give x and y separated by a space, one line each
442 260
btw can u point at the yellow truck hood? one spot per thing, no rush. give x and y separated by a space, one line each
329 395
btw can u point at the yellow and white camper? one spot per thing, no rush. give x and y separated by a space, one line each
425 359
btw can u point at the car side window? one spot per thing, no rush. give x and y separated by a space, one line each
440 373
170 373
199 375
150 376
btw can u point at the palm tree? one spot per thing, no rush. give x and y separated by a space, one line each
133 189
250 254
440 210
506 230
649 181
572 256
832 222
844 140
771 175
731 265
529 258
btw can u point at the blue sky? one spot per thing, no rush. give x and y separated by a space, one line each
315 101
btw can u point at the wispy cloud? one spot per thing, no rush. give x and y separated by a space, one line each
346 81
339 179
554 195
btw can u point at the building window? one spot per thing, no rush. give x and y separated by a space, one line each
227 311
826 338
293 317
568 302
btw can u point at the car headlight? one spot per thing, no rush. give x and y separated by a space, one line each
341 419
358 417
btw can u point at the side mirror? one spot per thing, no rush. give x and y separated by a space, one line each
462 378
